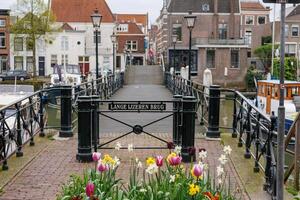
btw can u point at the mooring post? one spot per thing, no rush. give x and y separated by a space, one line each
122 76
84 153
188 128
19 152
95 121
66 111
41 114
177 119
234 121
213 112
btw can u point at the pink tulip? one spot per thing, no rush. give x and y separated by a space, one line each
159 161
176 160
102 167
197 170
90 189
96 156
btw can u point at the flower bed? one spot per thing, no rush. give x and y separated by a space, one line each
165 178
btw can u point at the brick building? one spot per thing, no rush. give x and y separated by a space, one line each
4 40
217 43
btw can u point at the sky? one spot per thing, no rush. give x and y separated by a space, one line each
152 7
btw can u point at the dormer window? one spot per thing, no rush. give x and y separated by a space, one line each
205 7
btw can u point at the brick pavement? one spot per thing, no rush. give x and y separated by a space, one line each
44 176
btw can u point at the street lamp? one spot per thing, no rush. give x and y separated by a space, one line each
114 41
174 40
190 19
96 19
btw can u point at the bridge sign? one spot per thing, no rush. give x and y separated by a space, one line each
137 106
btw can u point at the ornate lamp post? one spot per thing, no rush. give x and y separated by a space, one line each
96 19
174 41
190 19
114 41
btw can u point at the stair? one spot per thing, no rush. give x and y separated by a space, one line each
144 75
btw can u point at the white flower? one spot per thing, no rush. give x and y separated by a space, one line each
202 155
117 160
220 181
137 160
152 169
220 170
140 164
223 159
143 190
118 146
177 150
172 179
130 147
227 150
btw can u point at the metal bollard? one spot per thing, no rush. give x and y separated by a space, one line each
19 152
41 114
213 112
188 128
66 111
177 119
95 122
84 153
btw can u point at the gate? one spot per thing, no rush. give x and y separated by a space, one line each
92 110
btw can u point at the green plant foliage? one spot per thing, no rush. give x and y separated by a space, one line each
290 66
253 73
264 53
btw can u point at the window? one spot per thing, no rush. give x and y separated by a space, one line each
29 44
3 64
177 30
122 28
132 45
83 59
222 31
29 64
2 40
18 62
2 23
53 60
18 44
261 19
249 20
210 58
235 60
248 37
295 31
64 58
205 7
64 43
290 50
286 30
99 37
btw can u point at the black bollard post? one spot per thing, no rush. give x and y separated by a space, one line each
41 114
188 128
177 120
84 153
122 79
66 111
234 121
213 112
19 152
95 122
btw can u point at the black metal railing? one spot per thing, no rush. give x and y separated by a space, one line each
22 120
253 129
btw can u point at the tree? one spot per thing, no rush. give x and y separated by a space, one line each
264 53
290 66
34 20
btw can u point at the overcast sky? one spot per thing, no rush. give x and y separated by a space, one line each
120 6
132 6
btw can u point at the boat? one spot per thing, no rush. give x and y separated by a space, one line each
268 92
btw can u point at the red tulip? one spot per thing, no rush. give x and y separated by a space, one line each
90 189
96 156
175 160
159 161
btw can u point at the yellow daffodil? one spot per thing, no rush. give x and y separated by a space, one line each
108 160
150 161
193 189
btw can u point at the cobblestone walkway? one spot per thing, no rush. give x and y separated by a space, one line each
43 177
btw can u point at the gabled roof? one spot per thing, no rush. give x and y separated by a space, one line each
67 27
137 18
253 6
132 29
200 6
80 10
295 11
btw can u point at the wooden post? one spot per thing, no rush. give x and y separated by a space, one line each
297 156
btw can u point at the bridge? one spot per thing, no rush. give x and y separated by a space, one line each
146 107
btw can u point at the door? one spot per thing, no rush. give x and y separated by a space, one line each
118 63
41 66
269 97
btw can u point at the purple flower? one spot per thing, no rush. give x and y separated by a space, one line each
197 171
96 156
159 161
90 189
176 160
102 167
